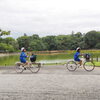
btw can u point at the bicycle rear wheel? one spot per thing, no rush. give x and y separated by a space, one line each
19 68
89 66
34 68
71 66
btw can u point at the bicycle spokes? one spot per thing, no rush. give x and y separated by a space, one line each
19 68
34 68
89 66
71 66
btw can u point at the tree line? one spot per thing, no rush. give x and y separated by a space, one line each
89 40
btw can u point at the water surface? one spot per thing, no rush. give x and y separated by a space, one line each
45 59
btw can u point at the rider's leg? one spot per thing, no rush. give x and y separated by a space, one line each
80 62
24 63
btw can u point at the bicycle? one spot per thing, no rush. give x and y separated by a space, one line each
88 65
33 67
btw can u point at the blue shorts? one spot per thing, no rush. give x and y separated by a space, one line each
23 61
77 59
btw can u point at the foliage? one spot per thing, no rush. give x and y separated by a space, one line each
50 42
97 46
6 47
7 44
4 32
89 40
23 41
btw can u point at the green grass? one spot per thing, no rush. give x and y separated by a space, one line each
97 64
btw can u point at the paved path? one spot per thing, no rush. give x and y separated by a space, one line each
51 83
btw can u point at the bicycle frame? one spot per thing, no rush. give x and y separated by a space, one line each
33 67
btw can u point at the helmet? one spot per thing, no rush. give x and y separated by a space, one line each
22 48
78 48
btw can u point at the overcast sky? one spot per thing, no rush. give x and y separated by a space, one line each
49 17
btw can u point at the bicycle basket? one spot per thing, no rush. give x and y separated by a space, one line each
87 56
33 58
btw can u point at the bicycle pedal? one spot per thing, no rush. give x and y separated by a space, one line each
78 67
24 68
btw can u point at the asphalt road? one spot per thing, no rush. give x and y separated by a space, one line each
50 83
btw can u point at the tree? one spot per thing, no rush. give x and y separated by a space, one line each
97 46
91 39
36 45
50 42
62 42
34 37
4 32
78 34
25 34
11 41
23 41
8 40
6 48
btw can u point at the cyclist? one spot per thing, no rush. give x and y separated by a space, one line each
23 56
77 54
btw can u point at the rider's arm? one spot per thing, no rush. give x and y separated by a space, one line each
80 54
24 55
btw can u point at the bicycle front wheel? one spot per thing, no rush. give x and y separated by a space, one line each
89 66
34 68
71 66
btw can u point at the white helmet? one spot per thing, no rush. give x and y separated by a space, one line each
78 48
22 48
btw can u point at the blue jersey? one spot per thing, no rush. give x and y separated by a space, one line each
23 57
76 56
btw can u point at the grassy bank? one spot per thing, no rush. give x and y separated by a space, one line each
97 64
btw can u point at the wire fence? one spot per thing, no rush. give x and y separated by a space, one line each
97 59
